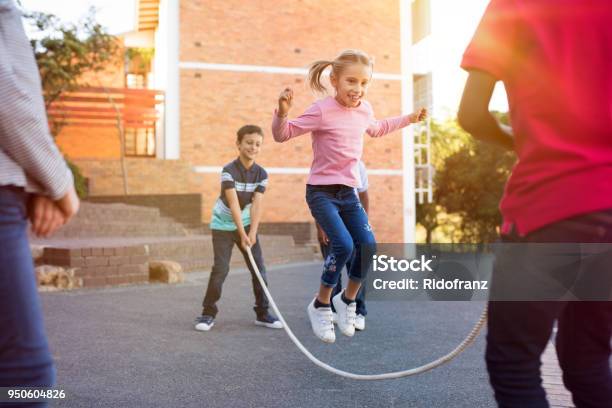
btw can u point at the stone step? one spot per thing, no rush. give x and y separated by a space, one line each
82 228
118 212
120 220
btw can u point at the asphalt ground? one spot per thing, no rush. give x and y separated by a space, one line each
135 346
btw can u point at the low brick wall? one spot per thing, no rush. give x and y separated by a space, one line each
102 266
302 232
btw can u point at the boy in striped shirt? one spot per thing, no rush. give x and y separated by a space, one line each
235 220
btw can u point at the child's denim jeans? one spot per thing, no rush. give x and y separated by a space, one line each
338 211
25 359
360 299
223 243
519 331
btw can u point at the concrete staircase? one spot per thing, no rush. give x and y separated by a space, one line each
120 220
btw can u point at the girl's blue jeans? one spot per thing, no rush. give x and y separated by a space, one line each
338 211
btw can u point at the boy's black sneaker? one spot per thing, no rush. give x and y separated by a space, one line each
204 323
269 321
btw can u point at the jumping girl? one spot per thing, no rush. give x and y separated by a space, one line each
337 125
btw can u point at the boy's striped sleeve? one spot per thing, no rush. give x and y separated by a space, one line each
261 186
227 180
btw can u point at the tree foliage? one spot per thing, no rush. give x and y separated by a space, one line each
469 182
427 216
446 138
65 52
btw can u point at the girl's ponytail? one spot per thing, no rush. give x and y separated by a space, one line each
314 75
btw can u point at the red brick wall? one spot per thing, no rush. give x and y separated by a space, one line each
386 197
214 104
144 176
269 32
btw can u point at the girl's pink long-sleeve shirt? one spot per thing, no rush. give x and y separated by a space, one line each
337 137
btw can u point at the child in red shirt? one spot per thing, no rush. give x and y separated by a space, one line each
555 60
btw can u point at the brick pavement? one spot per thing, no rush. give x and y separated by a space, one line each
558 396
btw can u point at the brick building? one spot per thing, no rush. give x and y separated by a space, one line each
221 65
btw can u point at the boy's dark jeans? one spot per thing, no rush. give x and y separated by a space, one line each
519 331
360 299
223 243
25 359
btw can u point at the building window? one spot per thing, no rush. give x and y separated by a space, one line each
135 81
138 67
140 142
421 20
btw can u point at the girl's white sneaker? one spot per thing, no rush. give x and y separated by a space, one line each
360 322
321 322
346 315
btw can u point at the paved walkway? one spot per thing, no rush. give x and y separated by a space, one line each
135 346
558 395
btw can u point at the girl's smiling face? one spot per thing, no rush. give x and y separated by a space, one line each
351 85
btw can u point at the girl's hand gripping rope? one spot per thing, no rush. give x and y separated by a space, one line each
418 116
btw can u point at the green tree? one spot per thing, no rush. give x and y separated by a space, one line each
471 184
64 54
446 138
468 183
427 217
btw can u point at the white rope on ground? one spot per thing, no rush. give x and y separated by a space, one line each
369 377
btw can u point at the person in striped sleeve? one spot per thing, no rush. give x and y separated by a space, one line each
235 219
37 186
